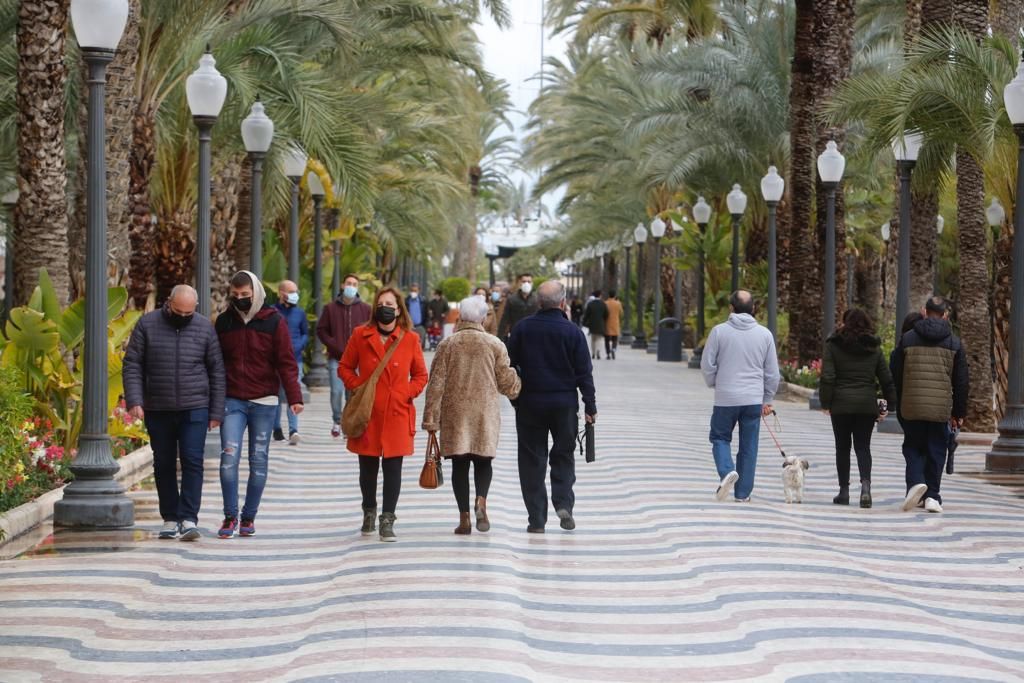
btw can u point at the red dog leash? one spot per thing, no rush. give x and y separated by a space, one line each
778 445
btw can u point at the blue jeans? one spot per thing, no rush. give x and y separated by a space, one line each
259 419
175 434
723 421
338 391
293 419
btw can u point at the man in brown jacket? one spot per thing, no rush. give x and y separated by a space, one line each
337 321
613 325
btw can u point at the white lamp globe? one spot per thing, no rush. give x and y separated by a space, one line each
831 164
295 162
772 185
701 211
99 24
658 228
995 213
445 261
940 223
640 233
907 148
206 89
886 231
1013 96
543 262
316 186
257 129
10 198
676 228
736 201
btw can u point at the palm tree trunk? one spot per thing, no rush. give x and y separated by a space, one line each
924 257
175 261
1006 19
225 194
142 232
41 240
243 228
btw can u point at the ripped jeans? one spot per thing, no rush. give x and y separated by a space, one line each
260 421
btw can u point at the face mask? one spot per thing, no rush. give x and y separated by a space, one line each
414 295
292 298
177 320
242 304
526 288
385 315
495 297
349 292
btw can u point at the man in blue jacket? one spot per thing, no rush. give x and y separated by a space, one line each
554 362
298 329
174 379
417 312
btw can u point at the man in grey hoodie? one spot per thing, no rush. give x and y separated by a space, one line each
740 362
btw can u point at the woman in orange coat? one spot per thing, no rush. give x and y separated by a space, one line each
389 434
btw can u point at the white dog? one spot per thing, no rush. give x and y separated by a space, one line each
793 478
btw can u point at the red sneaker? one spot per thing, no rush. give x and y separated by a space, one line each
227 528
248 528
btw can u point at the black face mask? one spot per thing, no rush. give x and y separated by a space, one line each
177 320
385 315
242 304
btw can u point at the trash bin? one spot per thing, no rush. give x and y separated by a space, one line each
670 340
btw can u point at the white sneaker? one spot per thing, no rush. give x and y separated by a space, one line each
169 530
294 438
189 531
336 431
932 505
725 488
913 497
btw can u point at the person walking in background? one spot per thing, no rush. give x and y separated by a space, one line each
520 304
613 325
740 362
437 311
338 320
852 370
258 361
173 376
298 328
552 355
417 308
930 370
389 433
490 322
595 316
469 374
576 312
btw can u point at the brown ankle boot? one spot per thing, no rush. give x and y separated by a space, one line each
482 523
465 527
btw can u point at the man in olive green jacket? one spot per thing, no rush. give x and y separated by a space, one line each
930 369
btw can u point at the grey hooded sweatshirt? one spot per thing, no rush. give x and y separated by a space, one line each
740 362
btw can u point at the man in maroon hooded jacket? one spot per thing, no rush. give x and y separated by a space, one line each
258 362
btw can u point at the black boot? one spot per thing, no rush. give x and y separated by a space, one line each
865 493
844 496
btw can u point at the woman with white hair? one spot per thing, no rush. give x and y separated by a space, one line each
470 372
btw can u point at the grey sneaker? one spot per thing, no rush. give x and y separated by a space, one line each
387 527
189 531
169 530
565 519
369 521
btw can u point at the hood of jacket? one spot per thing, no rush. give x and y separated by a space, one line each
864 344
259 297
742 321
933 330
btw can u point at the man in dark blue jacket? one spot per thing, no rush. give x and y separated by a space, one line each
298 329
173 376
553 359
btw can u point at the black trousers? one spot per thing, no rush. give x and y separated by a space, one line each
482 473
925 445
369 465
178 435
532 429
853 430
611 343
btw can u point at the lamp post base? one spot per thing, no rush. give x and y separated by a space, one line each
317 376
694 363
814 402
94 500
639 341
890 425
652 345
1007 454
626 338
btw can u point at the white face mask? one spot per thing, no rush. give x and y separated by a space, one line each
414 295
526 288
292 298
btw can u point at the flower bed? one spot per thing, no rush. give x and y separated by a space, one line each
801 375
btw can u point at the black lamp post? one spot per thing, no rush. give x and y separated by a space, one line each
678 311
658 227
9 200
640 337
95 499
737 203
257 134
702 215
295 161
940 224
317 376
335 216
1007 454
772 186
905 151
627 331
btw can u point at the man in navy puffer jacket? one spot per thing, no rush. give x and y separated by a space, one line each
173 376
298 329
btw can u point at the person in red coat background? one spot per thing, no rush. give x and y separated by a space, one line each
389 434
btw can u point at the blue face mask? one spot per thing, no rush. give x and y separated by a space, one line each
350 292
495 297
292 298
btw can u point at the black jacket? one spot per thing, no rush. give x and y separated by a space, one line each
553 359
170 369
851 373
595 316
930 369
517 307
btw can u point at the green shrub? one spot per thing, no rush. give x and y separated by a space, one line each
455 289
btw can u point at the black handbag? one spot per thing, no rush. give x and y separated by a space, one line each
585 439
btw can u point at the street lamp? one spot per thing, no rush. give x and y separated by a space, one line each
445 262
1007 452
9 200
830 169
257 134
737 203
701 214
492 254
639 337
95 499
627 333
677 289
332 225
905 151
772 186
658 227
940 224
294 163
205 90
317 376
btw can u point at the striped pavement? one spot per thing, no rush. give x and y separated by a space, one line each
657 583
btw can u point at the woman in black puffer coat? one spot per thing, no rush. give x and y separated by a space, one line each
853 369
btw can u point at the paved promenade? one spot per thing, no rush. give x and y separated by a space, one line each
657 583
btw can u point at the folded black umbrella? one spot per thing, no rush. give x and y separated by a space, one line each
951 445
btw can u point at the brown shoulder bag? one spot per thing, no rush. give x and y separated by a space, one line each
358 409
431 476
